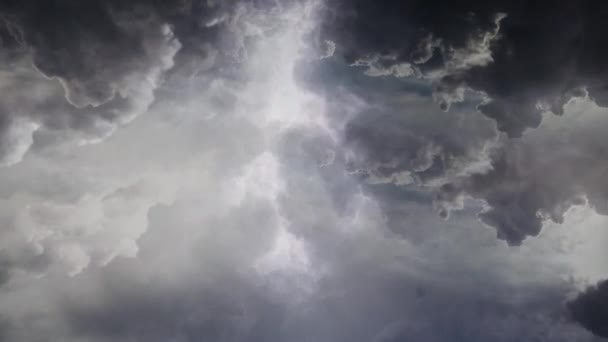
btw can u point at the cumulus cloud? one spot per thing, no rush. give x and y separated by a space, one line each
76 71
515 53
506 60
273 191
590 308
460 155
71 75
526 184
510 61
73 234
70 206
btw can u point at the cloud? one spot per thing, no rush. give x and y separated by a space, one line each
527 181
590 309
418 146
71 75
459 155
69 207
514 53
268 194
95 54
92 229
76 72
315 260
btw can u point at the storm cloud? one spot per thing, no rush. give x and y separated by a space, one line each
590 308
301 170
77 71
525 57
516 64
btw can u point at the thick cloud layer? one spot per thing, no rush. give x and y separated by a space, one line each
76 71
590 309
518 62
525 60
457 155
525 57
275 190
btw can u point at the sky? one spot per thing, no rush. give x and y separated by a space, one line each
303 171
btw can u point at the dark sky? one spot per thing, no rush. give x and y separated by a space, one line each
303 170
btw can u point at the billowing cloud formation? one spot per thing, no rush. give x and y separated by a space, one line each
71 74
77 71
516 62
457 155
513 62
274 191
96 54
527 183
590 309
524 57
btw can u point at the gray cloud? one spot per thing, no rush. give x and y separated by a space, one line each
590 309
523 72
77 72
271 192
513 52
459 155
521 182
360 279
527 183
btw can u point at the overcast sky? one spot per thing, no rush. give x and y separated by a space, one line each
303 171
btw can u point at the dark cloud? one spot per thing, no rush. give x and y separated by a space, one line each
524 62
77 71
237 209
526 57
590 309
418 145
97 48
540 176
529 59
459 154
